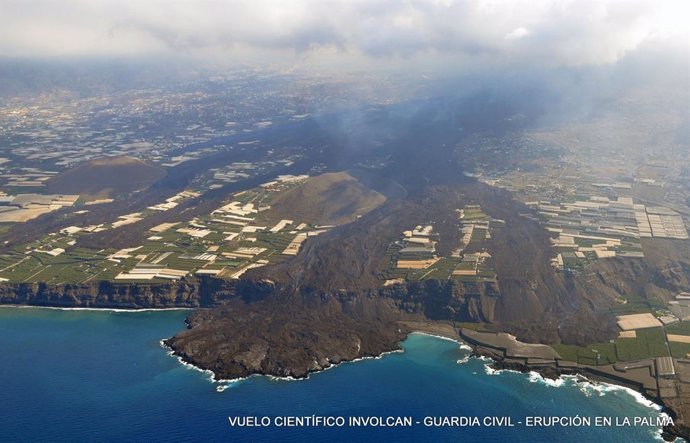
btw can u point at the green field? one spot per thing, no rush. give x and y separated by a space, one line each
680 328
649 343
32 262
587 355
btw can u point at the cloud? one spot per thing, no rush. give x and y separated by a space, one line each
549 31
517 33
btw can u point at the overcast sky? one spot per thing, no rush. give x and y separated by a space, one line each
569 33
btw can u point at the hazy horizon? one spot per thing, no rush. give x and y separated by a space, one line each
346 33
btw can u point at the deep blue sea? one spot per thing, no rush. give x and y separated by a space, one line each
103 376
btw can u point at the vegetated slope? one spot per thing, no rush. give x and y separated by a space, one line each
328 199
106 177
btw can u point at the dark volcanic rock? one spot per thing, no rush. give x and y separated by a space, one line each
291 339
328 304
531 300
185 293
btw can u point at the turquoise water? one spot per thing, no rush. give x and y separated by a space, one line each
103 376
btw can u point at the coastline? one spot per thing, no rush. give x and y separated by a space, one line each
169 386
549 375
435 329
443 331
464 346
555 375
212 375
105 309
579 378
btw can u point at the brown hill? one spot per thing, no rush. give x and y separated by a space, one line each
106 177
327 199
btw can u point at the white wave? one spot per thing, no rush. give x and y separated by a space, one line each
589 387
57 308
326 368
535 377
374 357
491 371
656 435
210 374
601 388
226 383
223 383
464 360
290 378
586 386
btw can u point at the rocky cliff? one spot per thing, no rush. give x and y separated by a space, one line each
185 293
279 330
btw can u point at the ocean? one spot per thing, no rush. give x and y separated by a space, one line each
74 375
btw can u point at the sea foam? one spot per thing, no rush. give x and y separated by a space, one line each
59 308
536 377
589 388
187 365
224 384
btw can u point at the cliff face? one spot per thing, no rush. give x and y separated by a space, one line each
278 330
433 299
186 293
445 300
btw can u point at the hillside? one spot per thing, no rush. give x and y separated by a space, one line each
106 177
331 299
327 199
536 303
